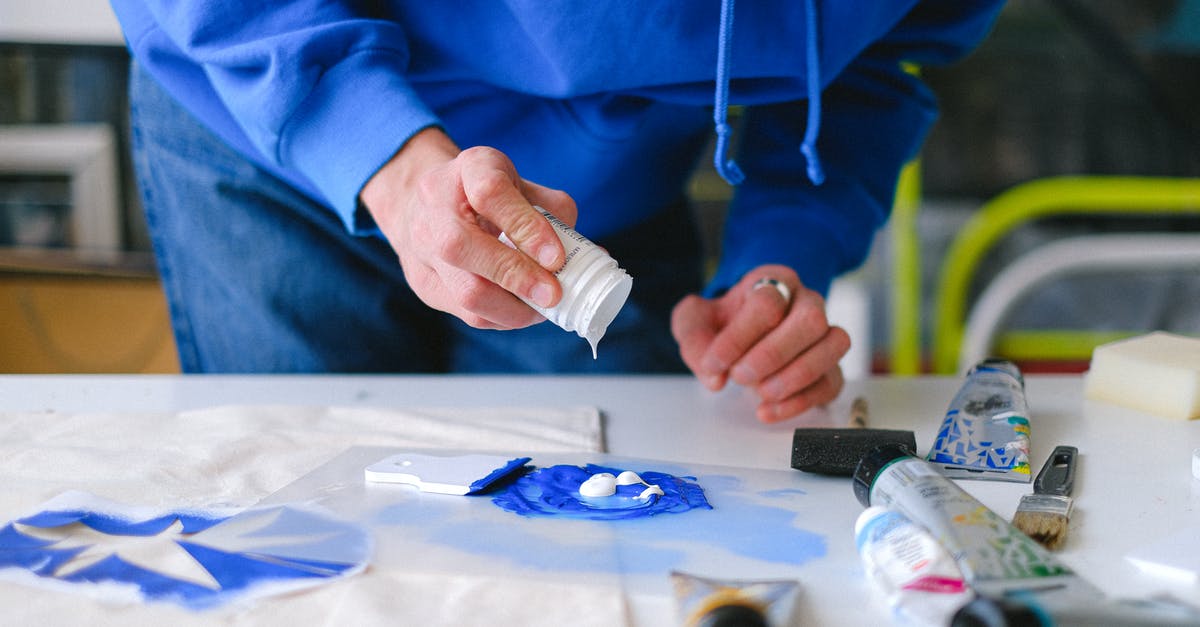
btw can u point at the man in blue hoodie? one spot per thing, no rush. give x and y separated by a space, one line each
325 181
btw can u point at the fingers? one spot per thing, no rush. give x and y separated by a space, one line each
813 378
694 324
823 391
494 191
495 195
442 210
555 201
770 335
800 365
476 301
761 312
804 325
485 305
478 253
807 368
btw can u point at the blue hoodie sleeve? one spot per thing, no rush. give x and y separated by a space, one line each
875 118
317 89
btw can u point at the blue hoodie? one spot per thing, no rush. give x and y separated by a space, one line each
608 100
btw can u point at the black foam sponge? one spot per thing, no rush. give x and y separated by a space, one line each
837 451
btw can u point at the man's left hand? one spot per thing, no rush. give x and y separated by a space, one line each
769 333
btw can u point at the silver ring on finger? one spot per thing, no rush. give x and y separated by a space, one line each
779 286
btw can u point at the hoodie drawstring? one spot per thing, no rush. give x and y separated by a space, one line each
812 128
726 167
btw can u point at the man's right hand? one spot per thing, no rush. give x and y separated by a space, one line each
442 210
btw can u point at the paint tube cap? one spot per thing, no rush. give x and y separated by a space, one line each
733 615
594 287
1196 463
989 612
871 464
995 364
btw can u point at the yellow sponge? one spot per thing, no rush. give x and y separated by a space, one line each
1158 373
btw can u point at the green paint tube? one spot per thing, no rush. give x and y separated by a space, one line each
994 556
1018 581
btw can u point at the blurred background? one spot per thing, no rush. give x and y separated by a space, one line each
1058 190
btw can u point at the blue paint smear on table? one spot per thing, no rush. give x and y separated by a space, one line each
756 530
633 553
784 493
631 537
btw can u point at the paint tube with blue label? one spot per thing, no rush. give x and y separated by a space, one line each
985 434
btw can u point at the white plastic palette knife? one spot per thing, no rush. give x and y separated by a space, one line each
444 474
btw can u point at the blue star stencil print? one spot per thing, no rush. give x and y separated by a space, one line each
195 559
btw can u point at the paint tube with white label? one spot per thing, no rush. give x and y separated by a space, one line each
985 433
706 602
994 556
1018 581
920 579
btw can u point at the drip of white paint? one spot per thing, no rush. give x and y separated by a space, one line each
629 477
652 489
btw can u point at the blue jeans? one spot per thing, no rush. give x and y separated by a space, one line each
261 278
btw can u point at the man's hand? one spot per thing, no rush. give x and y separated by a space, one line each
442 211
784 348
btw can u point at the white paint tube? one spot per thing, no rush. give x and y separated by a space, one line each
920 579
594 287
996 559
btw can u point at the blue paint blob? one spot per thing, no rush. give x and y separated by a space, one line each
554 492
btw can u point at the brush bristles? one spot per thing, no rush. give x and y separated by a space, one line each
1048 529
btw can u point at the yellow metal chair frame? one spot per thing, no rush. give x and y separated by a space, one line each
1082 195
906 274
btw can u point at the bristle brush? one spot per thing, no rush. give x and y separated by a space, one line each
1045 514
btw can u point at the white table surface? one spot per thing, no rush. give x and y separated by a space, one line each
1134 482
